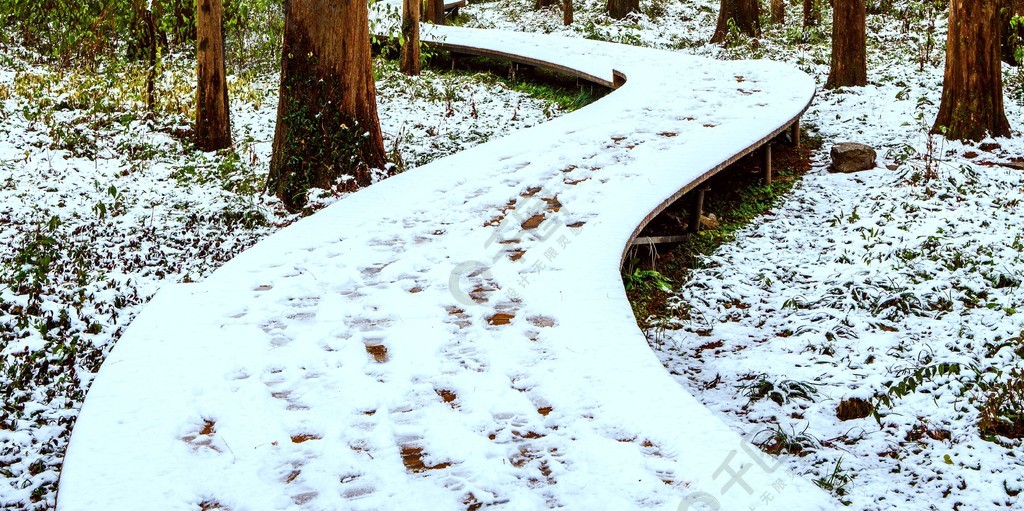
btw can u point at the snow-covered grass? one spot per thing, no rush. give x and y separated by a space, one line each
900 286
373 290
879 286
103 202
859 286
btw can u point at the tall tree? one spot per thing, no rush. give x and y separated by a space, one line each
619 9
812 15
328 135
213 123
434 12
411 37
567 12
972 89
849 45
148 39
744 14
778 8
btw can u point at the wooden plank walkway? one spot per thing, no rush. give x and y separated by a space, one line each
456 336
454 6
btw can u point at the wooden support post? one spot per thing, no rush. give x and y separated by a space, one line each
698 210
794 133
766 162
618 79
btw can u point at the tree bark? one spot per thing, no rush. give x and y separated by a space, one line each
778 8
145 18
567 12
745 14
159 9
812 16
1011 37
328 135
213 122
151 42
434 13
411 37
619 9
849 45
972 90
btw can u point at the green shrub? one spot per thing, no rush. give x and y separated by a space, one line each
1001 407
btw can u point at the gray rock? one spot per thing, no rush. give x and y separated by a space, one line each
852 157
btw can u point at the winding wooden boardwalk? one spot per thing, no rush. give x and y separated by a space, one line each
455 337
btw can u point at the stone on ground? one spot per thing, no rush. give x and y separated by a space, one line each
852 157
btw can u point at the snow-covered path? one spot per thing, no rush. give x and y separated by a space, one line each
455 337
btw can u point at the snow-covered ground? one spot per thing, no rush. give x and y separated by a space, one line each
858 282
457 334
101 205
854 282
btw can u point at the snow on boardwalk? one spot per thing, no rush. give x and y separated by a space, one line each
455 337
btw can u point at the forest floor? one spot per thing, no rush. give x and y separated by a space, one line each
899 286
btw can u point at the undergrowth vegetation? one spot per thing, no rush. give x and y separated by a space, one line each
868 327
734 198
104 199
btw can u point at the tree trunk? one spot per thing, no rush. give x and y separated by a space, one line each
151 41
972 89
145 18
213 124
1012 37
745 14
411 37
159 9
812 16
434 13
328 135
778 8
619 9
849 45
567 12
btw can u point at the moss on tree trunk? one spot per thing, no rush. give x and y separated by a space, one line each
328 135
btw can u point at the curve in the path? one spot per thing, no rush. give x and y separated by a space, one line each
455 337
